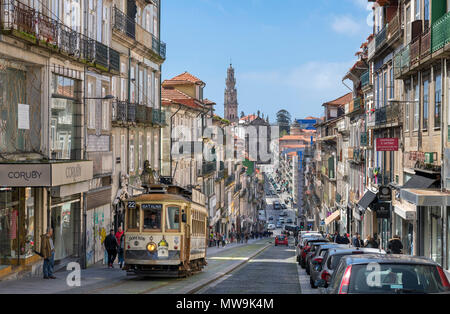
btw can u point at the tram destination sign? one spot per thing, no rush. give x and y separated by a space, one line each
151 206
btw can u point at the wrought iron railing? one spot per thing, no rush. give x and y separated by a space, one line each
141 114
230 179
440 32
365 79
207 168
127 25
131 112
22 21
119 112
380 38
159 117
364 139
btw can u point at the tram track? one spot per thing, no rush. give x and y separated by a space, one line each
217 279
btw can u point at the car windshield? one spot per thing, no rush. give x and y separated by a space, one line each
395 278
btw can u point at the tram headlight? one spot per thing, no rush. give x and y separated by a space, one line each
151 247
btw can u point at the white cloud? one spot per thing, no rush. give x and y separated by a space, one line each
363 4
345 25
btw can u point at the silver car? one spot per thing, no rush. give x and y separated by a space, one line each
324 270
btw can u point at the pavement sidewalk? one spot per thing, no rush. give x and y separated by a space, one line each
96 277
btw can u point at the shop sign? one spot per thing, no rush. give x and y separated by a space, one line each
385 194
387 144
66 173
383 210
25 175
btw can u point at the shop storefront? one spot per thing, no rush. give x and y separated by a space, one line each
26 210
20 225
383 212
403 225
431 231
431 221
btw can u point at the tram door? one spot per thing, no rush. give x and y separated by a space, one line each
187 247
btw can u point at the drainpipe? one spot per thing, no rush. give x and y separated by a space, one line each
171 141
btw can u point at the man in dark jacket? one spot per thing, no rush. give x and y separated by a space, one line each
395 246
48 253
356 240
111 246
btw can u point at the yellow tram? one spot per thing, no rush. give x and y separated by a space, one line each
165 232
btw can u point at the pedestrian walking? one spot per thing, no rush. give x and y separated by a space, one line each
356 240
119 234
370 243
111 246
395 246
121 250
48 253
224 239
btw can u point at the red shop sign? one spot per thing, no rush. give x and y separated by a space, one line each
387 144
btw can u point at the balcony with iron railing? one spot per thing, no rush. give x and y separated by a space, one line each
127 26
365 79
381 37
390 114
364 139
24 22
440 33
230 180
159 117
402 61
207 168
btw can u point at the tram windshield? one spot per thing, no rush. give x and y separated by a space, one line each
152 217
173 218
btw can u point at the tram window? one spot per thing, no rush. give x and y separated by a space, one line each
133 218
173 218
152 218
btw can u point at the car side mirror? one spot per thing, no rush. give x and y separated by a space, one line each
320 283
183 218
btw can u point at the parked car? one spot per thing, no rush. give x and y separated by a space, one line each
312 253
304 247
387 274
303 234
281 240
271 227
283 206
322 269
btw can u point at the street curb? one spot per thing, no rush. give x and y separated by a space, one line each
198 286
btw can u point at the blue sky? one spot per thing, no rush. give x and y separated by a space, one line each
288 54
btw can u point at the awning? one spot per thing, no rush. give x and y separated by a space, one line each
426 197
334 216
405 213
419 182
367 199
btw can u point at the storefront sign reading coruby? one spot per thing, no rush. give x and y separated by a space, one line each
44 174
24 175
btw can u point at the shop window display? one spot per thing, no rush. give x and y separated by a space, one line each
17 225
